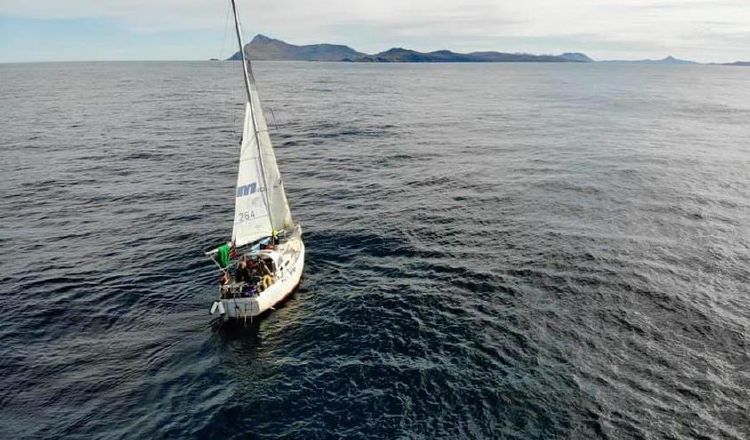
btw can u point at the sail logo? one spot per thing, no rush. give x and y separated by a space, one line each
246 190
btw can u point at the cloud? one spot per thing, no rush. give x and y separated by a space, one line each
702 29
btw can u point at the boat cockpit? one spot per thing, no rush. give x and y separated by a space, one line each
246 273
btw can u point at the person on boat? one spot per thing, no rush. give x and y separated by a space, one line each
247 273
251 267
263 268
225 278
242 273
256 281
224 282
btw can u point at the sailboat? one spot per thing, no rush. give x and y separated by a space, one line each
263 262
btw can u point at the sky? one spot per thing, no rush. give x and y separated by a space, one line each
79 30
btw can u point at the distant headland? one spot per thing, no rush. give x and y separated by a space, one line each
271 49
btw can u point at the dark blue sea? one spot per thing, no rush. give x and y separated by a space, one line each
521 251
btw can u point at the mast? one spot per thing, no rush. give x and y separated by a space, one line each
244 60
246 72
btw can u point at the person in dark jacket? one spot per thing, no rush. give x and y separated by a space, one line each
242 275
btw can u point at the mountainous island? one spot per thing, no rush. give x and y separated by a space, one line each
264 48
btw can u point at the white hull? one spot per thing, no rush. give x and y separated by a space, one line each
291 262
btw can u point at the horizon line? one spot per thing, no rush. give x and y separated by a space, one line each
214 60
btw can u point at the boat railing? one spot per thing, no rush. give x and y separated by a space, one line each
233 290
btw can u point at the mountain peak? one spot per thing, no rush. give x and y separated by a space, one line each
260 38
672 60
266 48
577 56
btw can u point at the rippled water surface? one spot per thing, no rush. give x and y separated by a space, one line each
494 251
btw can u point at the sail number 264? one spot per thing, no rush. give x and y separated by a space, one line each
245 216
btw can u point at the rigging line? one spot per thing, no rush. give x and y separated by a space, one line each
224 37
263 174
275 124
247 70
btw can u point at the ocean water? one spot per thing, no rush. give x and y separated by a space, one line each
494 251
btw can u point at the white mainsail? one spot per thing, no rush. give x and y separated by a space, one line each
251 220
260 201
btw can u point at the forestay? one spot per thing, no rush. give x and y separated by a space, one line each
260 201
